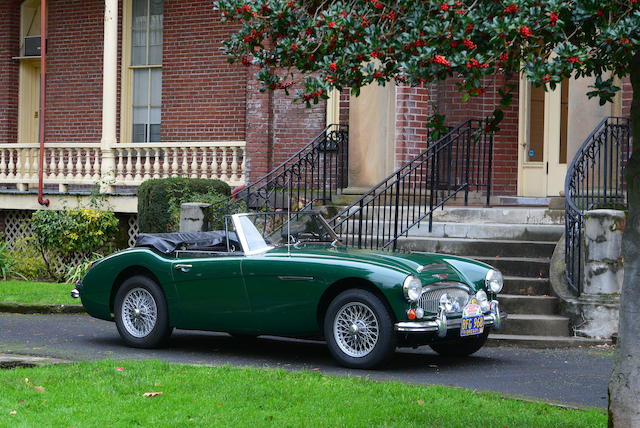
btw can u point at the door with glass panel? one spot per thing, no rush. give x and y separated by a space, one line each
542 157
145 70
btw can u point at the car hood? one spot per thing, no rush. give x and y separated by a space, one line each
429 267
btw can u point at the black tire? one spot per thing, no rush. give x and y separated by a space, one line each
153 334
381 349
462 347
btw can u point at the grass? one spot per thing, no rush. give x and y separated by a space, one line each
109 393
36 292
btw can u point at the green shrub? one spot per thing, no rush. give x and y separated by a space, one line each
7 261
60 235
29 262
159 200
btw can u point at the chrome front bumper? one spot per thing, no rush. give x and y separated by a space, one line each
430 326
442 324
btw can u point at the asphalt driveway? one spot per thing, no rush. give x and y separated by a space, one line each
577 376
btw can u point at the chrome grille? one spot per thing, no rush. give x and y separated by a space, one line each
430 299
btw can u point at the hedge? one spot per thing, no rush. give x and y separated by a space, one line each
159 200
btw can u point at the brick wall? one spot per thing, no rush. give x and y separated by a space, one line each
412 112
74 70
203 95
9 48
627 96
505 154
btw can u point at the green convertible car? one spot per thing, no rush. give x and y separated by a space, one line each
266 274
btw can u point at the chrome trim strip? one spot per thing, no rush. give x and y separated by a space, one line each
431 326
295 278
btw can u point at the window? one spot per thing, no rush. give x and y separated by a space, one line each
146 69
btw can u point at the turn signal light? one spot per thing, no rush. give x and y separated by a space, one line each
411 314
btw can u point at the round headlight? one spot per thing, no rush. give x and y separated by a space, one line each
412 288
494 281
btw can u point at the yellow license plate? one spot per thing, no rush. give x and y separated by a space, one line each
472 325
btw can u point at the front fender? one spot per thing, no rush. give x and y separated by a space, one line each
99 282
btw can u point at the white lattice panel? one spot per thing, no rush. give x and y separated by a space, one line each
17 227
132 229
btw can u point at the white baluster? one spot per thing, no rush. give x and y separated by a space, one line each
138 168
157 168
3 167
234 165
129 176
80 161
60 164
97 161
11 166
224 165
70 164
174 164
19 171
52 164
165 162
147 164
203 164
185 165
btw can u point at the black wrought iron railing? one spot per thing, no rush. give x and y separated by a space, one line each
310 177
452 166
595 179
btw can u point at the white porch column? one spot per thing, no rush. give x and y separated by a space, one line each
109 94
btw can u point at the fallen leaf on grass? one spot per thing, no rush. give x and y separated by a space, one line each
21 401
120 369
13 412
151 394
316 369
39 388
420 401
218 404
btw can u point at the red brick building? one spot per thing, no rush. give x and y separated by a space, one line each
156 97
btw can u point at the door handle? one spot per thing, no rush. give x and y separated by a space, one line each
183 267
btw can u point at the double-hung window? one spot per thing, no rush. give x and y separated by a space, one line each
146 70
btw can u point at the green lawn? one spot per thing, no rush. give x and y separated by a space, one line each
36 292
110 394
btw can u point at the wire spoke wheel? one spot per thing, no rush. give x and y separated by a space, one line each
356 329
139 312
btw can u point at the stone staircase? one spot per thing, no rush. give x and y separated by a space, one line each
519 241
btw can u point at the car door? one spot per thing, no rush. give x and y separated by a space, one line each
212 293
283 292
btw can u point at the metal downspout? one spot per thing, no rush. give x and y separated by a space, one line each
43 99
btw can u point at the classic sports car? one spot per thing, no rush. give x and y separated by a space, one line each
265 274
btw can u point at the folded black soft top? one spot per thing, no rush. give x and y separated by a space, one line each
169 242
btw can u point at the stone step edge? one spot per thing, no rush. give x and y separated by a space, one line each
515 340
527 296
483 240
38 308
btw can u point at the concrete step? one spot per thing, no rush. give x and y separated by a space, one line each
536 325
526 286
529 305
530 341
517 266
453 214
495 231
478 247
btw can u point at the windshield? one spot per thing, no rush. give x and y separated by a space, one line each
266 230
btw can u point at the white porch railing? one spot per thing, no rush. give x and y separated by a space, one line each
70 164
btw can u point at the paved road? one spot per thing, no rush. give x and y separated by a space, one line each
570 376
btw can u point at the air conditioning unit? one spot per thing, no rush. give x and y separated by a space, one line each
32 46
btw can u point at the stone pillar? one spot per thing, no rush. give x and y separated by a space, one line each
109 94
192 217
603 272
372 127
